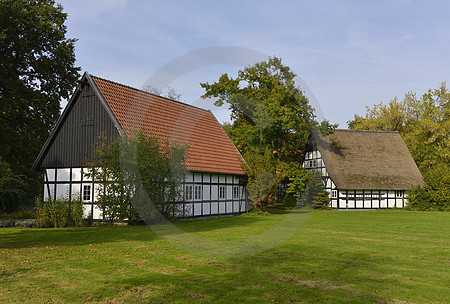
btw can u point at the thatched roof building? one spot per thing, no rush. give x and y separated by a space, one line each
363 169
357 159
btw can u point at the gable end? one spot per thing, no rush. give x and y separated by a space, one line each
74 138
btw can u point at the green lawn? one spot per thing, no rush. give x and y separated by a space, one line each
308 257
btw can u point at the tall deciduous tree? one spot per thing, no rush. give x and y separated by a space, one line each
271 117
36 71
424 124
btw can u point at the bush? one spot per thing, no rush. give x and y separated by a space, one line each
314 195
140 176
289 200
18 215
63 212
256 212
435 195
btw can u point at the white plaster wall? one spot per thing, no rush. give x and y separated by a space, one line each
206 209
197 177
87 211
76 174
51 174
206 194
189 178
63 175
214 208
214 178
229 192
197 209
235 206
48 194
214 192
76 190
221 207
229 208
62 191
206 178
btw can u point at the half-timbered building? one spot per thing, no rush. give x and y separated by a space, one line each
214 182
363 169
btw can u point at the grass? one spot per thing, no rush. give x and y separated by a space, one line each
307 257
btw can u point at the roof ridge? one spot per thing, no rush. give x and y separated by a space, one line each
152 94
369 131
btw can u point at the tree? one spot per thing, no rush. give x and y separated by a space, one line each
271 118
171 92
424 124
12 188
435 196
36 71
139 176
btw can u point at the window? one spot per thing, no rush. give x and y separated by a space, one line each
236 192
399 193
334 193
312 163
198 192
221 192
86 192
188 193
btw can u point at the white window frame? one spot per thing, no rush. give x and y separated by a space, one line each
236 192
198 192
334 193
222 192
87 192
188 192
399 193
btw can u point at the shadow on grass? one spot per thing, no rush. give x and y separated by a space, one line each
34 237
264 278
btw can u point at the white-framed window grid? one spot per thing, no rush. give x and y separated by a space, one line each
197 192
236 192
87 192
188 192
222 193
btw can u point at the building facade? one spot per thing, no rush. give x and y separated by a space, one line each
213 184
363 169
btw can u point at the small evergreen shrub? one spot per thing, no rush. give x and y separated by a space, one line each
289 200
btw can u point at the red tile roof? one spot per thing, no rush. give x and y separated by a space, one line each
210 149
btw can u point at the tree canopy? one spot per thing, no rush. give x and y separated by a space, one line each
37 71
424 124
271 121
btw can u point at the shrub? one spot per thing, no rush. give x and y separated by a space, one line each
62 212
289 200
314 195
140 176
435 195
256 212
26 214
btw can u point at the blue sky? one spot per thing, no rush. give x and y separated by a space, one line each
349 54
